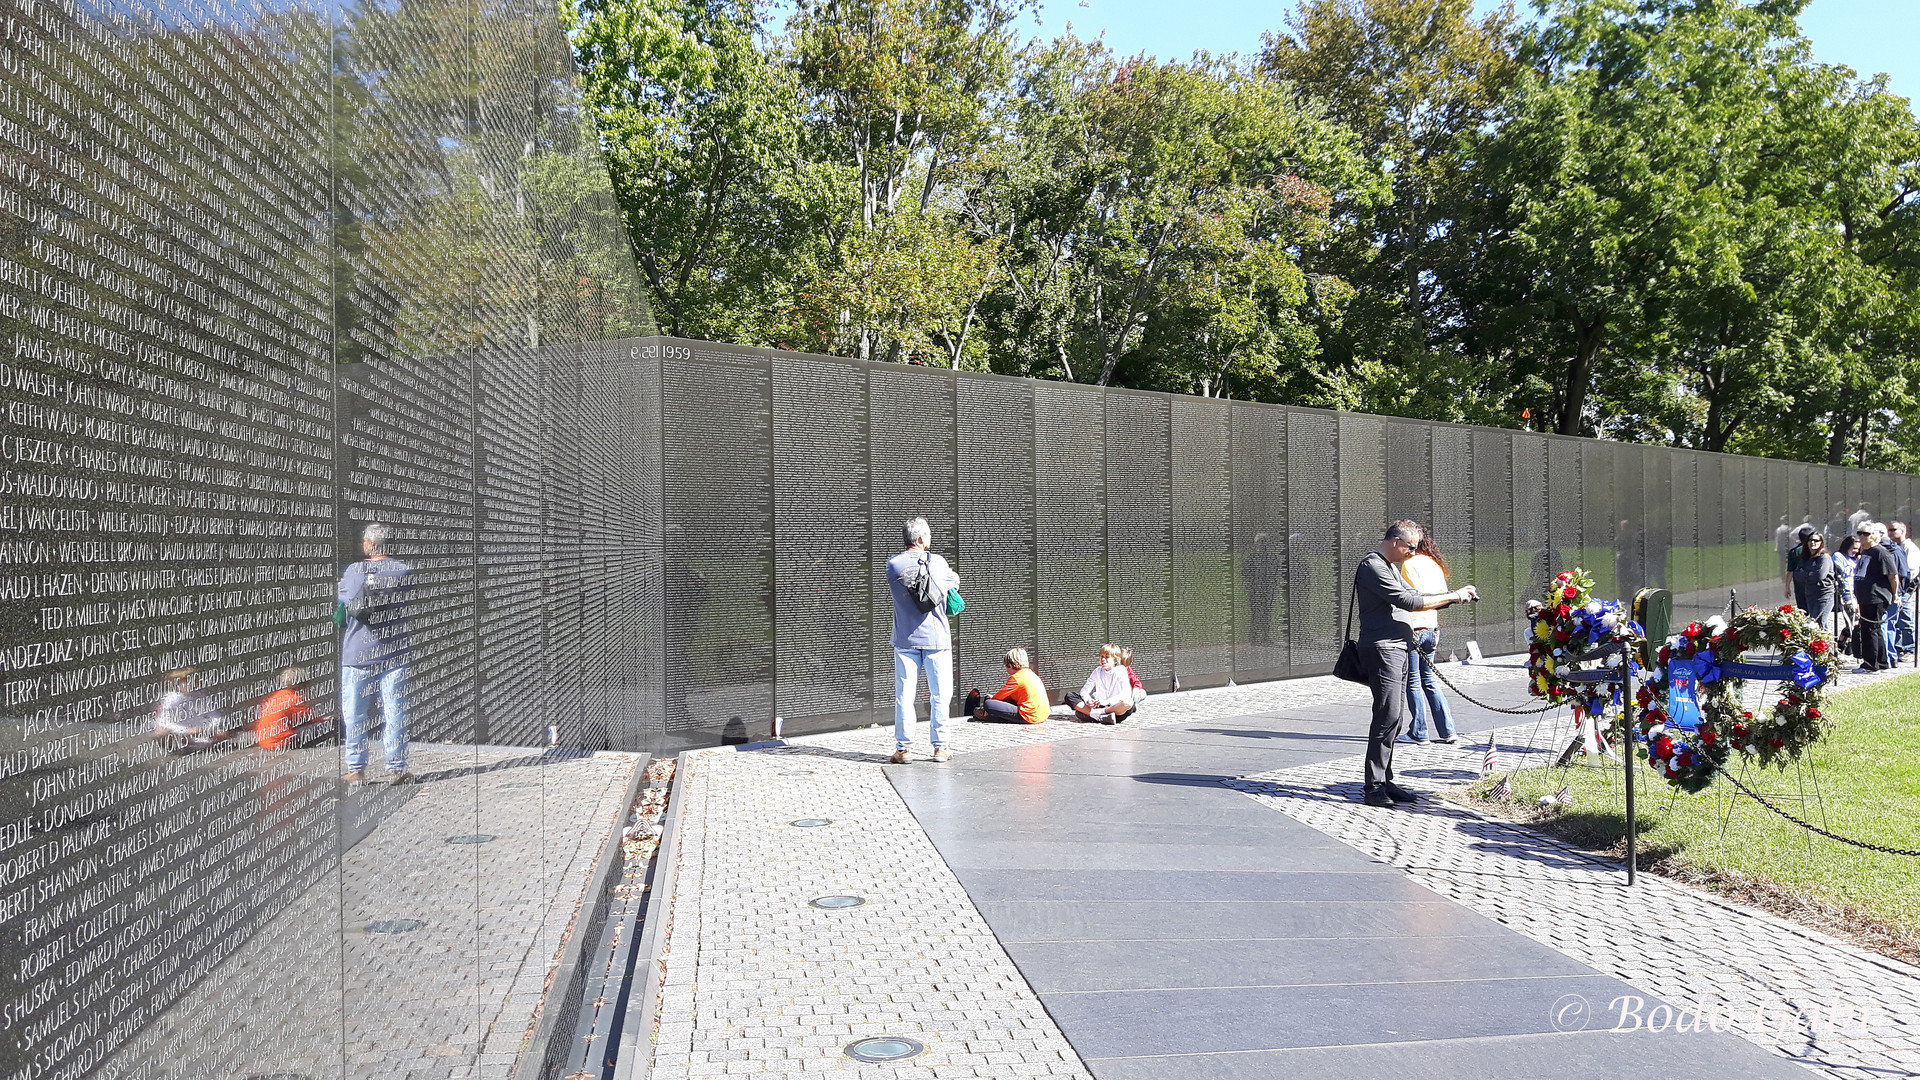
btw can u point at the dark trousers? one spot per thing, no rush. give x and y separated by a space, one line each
1387 664
1872 635
998 712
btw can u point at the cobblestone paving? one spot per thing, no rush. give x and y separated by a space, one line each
758 983
420 1003
1841 1010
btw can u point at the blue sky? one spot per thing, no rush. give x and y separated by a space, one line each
1868 35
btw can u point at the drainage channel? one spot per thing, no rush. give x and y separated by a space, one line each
614 968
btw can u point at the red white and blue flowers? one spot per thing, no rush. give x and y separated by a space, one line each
1691 713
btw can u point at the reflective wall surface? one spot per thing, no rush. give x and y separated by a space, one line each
355 533
1218 538
269 274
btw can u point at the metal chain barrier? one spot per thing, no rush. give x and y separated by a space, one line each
1451 685
1808 825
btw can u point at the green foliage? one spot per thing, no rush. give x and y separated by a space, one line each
1654 220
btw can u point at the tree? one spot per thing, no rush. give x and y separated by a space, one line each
900 94
1161 217
1416 80
701 130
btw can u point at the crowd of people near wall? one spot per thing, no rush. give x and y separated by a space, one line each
1859 584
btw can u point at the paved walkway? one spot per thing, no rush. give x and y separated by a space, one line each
452 998
1139 884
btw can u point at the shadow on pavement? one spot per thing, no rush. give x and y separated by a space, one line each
1306 736
1183 779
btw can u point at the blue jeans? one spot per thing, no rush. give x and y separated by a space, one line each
1423 689
357 686
1902 636
907 664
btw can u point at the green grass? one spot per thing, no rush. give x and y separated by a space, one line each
1868 770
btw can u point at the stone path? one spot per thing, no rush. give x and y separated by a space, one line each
759 983
454 997
1808 996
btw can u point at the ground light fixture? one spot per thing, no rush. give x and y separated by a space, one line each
810 822
834 903
394 926
473 838
886 1048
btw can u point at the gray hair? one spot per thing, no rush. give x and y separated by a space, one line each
915 531
377 534
1409 531
1017 658
1878 530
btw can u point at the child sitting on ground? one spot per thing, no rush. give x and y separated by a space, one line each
1021 700
1133 677
1107 698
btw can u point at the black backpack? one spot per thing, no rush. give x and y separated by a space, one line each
926 592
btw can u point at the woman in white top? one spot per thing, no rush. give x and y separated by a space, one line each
1426 571
1107 697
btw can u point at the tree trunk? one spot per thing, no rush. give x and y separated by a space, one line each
1841 426
1580 374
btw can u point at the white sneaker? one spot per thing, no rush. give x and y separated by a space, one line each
940 754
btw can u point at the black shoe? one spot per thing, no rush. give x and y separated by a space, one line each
1449 740
1397 793
1377 797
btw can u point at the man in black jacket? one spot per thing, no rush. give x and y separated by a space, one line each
1382 596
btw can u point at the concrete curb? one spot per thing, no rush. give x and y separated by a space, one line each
562 999
635 1060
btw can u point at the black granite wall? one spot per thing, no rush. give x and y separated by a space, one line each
1217 538
270 273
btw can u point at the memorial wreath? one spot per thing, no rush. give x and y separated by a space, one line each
1691 715
1572 629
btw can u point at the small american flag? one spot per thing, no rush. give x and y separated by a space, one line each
1564 796
1492 761
1501 791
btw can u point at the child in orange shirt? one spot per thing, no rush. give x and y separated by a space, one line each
1022 700
283 712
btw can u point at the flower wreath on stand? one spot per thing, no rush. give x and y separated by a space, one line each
1694 722
1572 626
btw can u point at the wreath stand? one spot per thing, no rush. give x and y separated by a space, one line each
1804 774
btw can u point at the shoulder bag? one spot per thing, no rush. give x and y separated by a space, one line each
1349 666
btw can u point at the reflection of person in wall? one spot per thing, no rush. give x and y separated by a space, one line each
1629 569
183 719
1022 699
284 712
1261 572
374 652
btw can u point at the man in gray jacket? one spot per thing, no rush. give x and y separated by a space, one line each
922 639
1382 597
375 649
